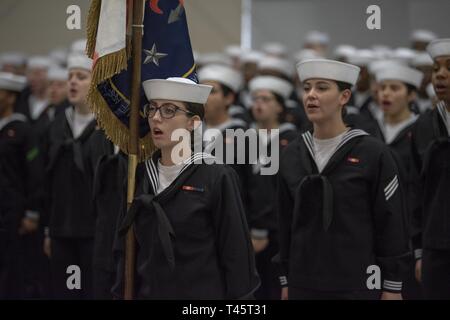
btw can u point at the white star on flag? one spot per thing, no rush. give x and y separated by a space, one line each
153 56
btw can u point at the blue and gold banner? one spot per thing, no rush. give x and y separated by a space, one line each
167 52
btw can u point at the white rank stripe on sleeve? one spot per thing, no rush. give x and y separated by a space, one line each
391 188
392 285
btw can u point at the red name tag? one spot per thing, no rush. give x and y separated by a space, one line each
353 160
191 188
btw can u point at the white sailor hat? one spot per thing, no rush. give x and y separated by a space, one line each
422 59
317 37
377 65
381 51
402 73
13 58
279 86
405 55
328 69
423 36
277 64
439 47
12 82
176 89
56 73
78 46
344 50
59 56
274 48
233 51
39 62
80 61
362 57
306 54
222 74
214 58
251 56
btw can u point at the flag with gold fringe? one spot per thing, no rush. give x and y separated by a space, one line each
167 52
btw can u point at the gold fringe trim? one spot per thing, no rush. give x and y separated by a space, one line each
92 26
109 65
115 130
106 67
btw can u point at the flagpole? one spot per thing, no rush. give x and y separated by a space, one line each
136 49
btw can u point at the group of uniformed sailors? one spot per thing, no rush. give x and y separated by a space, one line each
363 179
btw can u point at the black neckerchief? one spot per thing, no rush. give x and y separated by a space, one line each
68 141
403 132
350 139
153 203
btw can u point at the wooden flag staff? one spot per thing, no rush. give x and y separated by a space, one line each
136 56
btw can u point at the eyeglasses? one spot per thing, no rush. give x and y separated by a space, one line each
167 111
